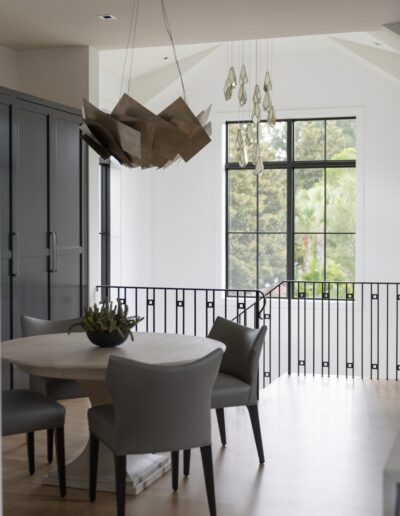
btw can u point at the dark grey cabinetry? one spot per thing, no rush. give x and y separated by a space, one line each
44 213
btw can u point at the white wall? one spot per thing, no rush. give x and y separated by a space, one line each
312 76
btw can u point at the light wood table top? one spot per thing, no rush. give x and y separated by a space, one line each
75 357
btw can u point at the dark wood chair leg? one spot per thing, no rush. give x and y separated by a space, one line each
30 443
255 423
60 452
221 425
50 439
120 483
175 469
94 458
186 462
206 457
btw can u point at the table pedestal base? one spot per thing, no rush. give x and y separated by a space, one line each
141 471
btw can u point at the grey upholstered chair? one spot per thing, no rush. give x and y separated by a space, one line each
56 389
237 380
156 408
24 412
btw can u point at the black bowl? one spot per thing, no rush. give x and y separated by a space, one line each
104 339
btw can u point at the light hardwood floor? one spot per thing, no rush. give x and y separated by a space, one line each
326 443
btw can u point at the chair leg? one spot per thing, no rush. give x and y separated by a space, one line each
60 452
255 423
30 443
175 469
94 458
221 425
206 457
186 462
120 483
50 439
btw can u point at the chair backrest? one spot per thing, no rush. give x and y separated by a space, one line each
161 407
243 348
31 326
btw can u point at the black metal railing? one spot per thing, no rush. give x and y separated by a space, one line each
314 327
188 310
335 328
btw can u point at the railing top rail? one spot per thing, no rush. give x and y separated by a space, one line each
328 282
194 289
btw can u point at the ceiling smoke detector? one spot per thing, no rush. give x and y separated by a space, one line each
106 17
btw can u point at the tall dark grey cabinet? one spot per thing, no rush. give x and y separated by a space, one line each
43 166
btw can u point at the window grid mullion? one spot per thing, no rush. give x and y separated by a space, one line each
290 165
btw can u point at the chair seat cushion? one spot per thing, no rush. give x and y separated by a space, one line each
101 423
229 391
26 411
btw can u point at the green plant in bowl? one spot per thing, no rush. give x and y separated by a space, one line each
109 324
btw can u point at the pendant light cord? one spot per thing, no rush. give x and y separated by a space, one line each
131 35
169 31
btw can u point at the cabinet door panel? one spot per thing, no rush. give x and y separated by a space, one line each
5 254
66 288
66 195
30 215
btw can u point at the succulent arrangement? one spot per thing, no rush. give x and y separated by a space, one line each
107 318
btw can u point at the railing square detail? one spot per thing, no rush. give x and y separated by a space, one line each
241 306
325 364
349 365
302 362
179 303
302 295
150 302
374 296
121 300
267 374
325 295
210 304
374 366
398 367
267 316
349 295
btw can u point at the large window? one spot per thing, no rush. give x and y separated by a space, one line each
297 219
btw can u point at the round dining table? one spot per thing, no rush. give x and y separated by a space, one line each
75 357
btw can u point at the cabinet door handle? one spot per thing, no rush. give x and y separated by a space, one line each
52 243
56 251
15 254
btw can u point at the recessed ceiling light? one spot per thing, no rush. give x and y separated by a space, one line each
166 57
106 17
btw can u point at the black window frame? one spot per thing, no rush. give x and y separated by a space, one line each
290 165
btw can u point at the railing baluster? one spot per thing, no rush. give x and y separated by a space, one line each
352 331
183 311
322 327
313 334
362 330
298 329
279 333
147 309
305 329
337 329
387 331
378 361
329 330
370 365
195 312
397 331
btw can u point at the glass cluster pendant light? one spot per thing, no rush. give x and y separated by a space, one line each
249 138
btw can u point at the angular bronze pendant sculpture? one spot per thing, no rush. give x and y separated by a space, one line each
136 137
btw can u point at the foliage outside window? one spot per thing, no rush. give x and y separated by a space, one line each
297 219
